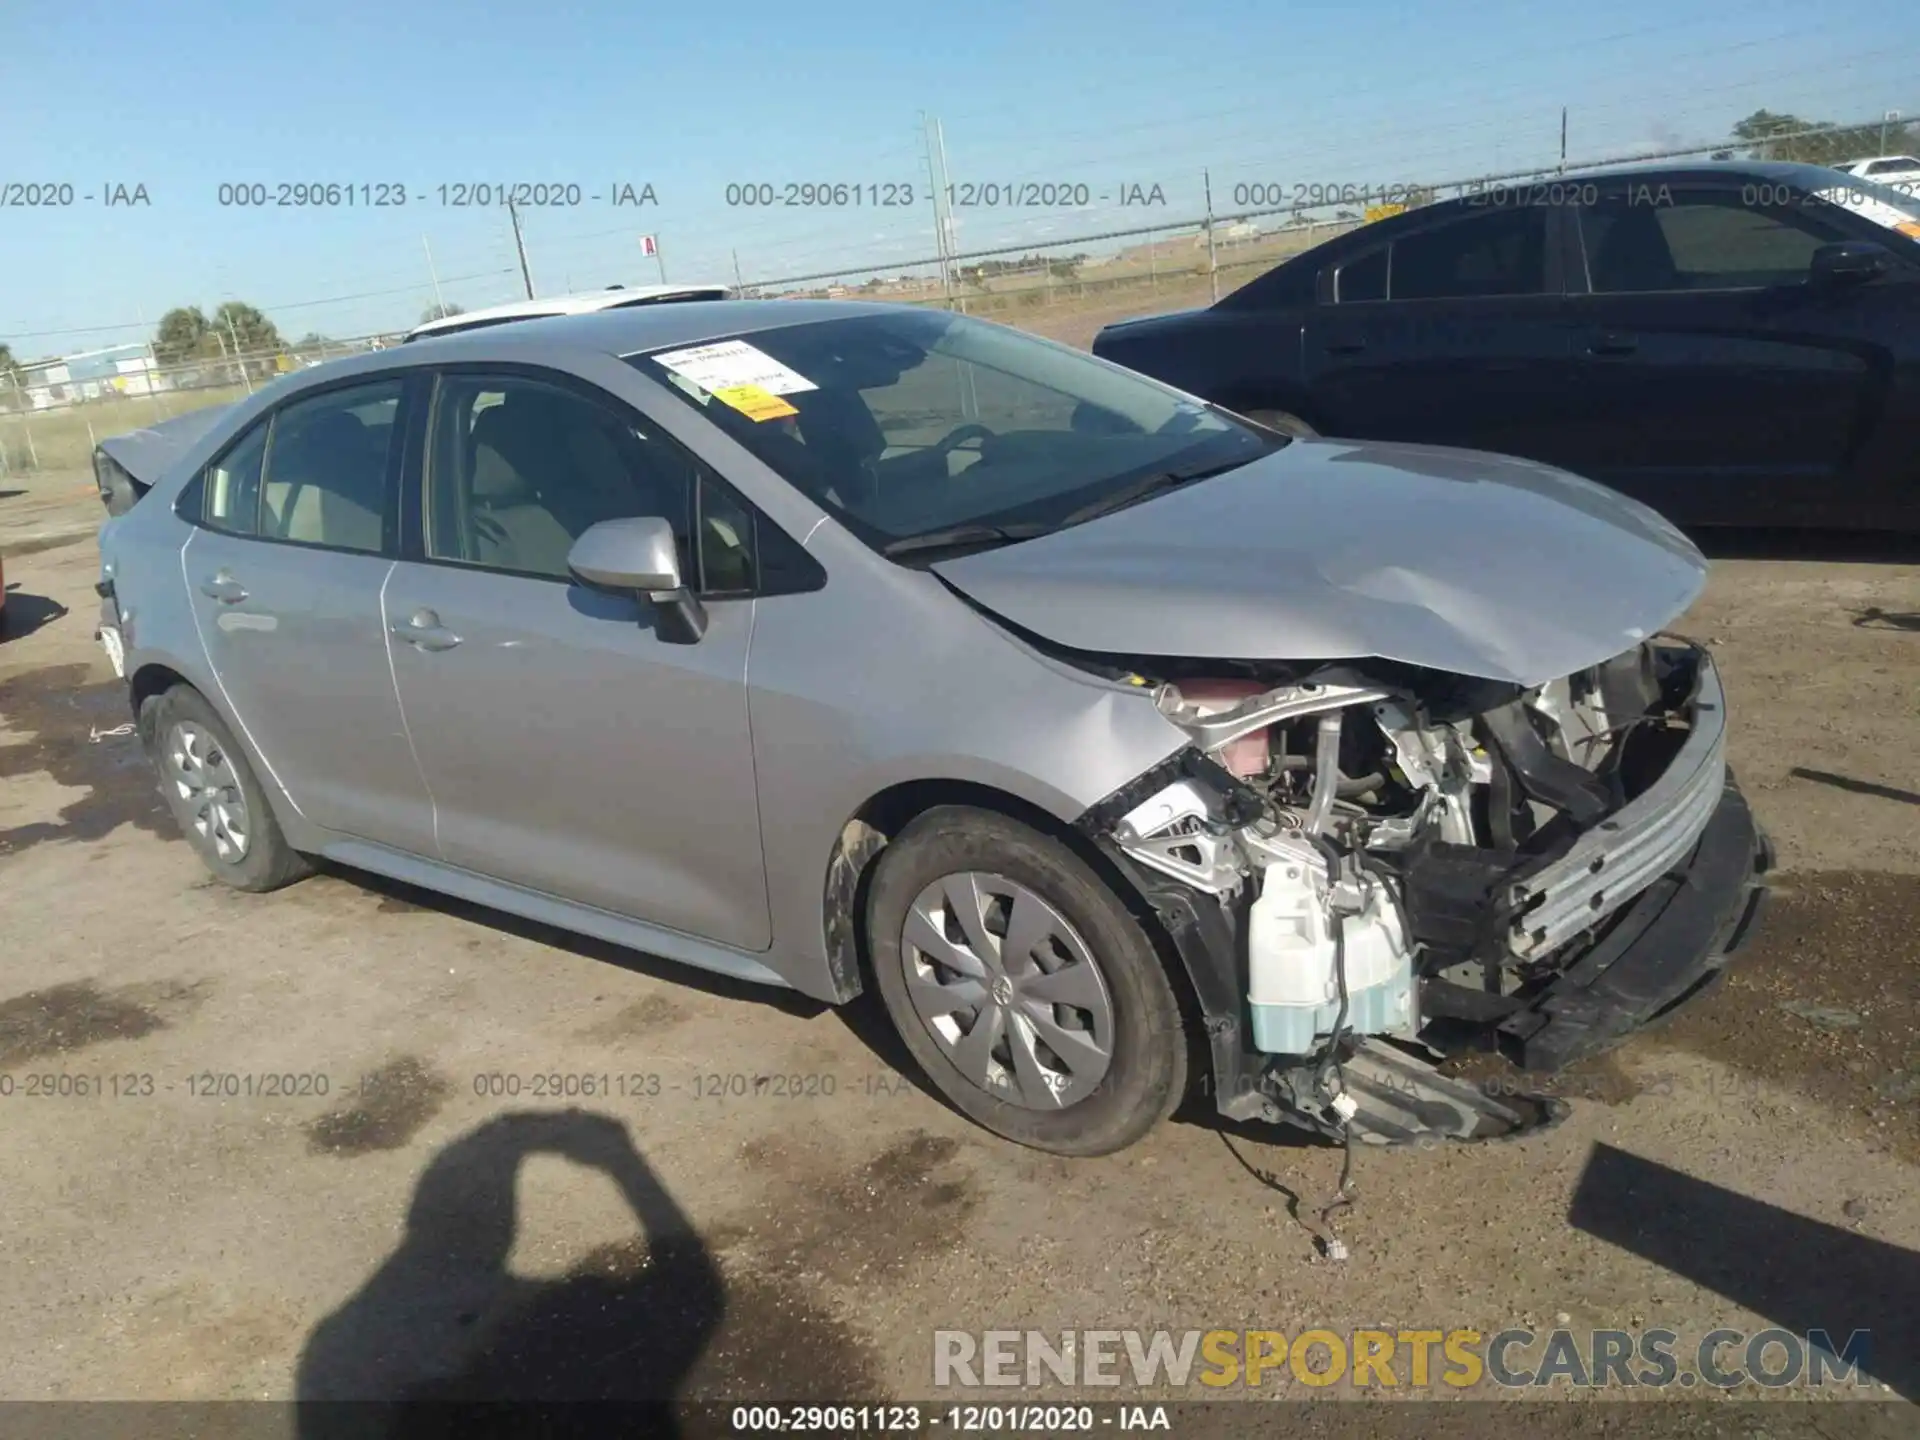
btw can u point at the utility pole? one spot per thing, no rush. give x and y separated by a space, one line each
738 284
937 180
1886 119
1563 139
438 303
20 404
951 249
1213 267
520 246
235 337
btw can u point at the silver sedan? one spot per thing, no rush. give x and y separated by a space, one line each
1130 750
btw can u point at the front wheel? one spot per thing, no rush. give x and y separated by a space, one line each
1028 994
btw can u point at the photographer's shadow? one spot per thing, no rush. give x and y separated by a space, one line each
443 1339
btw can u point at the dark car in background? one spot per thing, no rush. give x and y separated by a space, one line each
1731 343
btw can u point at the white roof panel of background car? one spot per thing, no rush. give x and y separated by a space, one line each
613 298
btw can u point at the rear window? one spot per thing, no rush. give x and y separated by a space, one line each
1362 278
1504 253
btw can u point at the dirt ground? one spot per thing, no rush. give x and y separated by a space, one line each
416 1217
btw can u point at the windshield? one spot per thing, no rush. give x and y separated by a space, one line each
909 422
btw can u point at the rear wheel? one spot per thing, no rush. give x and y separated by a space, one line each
213 794
1030 996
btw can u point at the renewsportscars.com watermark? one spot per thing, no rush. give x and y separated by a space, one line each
1216 1360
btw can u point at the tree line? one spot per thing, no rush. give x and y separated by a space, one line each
1768 136
234 332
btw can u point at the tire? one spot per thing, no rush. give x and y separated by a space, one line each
228 821
1091 984
1284 422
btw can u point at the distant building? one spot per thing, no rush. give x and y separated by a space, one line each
90 375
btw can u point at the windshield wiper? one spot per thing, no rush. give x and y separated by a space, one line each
971 536
1140 489
978 535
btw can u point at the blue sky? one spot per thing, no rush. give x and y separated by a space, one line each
182 98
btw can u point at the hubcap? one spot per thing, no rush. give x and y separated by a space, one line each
206 791
1008 989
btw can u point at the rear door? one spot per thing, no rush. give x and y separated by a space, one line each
1453 333
293 543
570 747
1716 383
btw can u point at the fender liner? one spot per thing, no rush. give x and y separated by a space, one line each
1202 930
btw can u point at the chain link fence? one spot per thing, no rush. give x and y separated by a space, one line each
52 413
1188 261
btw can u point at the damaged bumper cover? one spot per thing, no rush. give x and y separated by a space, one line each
1669 944
1613 862
1550 950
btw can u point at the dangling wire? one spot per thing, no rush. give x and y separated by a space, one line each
1331 1066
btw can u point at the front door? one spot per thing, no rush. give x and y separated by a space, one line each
569 747
1715 382
285 570
1451 335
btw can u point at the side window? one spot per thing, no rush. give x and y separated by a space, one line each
1502 253
1287 286
727 541
1702 240
231 487
517 470
1362 278
327 468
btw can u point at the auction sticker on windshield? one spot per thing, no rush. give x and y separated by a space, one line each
734 363
754 402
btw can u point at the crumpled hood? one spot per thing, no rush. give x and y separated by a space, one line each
1456 560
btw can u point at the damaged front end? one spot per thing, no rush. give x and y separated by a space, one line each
1368 869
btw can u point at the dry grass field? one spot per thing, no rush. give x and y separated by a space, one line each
52 440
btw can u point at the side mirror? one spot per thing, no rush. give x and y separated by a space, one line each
638 553
1848 262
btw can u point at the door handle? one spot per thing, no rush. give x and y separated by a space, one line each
1612 344
1351 346
224 588
425 632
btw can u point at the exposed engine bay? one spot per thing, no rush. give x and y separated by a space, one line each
1405 866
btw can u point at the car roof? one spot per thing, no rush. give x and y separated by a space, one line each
561 341
613 297
621 332
1789 171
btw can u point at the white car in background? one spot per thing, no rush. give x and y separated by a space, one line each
614 297
1902 172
